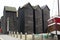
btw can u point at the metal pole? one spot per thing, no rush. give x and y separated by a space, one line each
56 28
56 32
58 8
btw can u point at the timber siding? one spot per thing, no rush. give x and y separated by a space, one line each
38 19
45 17
11 13
26 19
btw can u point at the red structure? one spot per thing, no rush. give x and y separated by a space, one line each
0 30
54 24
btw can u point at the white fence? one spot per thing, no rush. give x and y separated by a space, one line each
31 36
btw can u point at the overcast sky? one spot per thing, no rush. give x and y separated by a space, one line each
52 4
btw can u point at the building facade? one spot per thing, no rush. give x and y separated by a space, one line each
10 19
38 19
45 17
2 24
33 19
26 18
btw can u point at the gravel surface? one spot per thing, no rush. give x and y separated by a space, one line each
6 37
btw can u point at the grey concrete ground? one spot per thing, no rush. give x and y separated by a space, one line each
6 37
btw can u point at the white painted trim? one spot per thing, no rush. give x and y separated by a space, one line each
58 23
49 19
53 18
51 24
54 32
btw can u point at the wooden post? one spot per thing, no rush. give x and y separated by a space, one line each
21 35
55 37
17 35
33 37
25 36
42 36
14 34
9 32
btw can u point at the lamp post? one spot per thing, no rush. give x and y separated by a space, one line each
58 7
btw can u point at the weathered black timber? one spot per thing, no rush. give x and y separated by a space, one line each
10 12
45 17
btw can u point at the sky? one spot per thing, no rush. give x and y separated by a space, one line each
52 4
